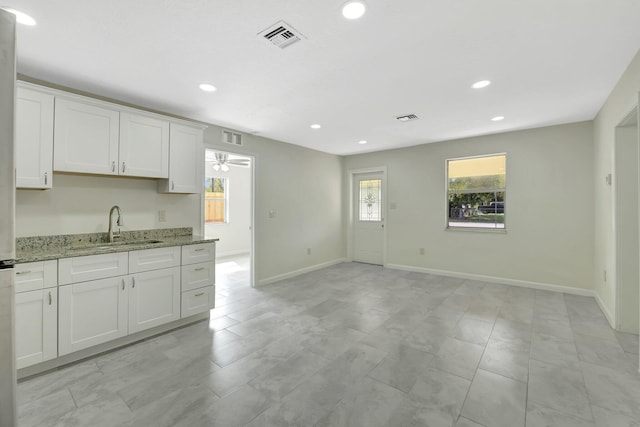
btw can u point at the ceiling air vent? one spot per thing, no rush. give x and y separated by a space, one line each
233 138
281 34
407 118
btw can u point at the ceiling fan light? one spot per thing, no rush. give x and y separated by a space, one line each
216 167
224 168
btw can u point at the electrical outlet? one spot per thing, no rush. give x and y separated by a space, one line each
162 216
421 251
308 251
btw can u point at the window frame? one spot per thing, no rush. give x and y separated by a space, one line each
503 190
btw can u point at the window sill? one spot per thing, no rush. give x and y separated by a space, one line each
477 229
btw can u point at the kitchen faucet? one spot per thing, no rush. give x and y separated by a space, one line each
119 222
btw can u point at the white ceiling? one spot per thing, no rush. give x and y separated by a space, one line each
550 61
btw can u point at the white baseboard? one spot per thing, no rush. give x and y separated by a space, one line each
605 310
494 279
295 273
231 253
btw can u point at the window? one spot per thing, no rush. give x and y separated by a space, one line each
476 189
216 196
370 193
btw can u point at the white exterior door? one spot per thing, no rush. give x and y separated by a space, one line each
368 218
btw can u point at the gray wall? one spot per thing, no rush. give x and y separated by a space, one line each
549 238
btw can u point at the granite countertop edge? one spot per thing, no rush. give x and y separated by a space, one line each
37 251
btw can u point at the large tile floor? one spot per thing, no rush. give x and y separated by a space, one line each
358 345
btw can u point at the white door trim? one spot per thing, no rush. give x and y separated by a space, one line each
351 215
252 208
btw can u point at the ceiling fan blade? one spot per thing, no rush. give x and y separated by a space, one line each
238 162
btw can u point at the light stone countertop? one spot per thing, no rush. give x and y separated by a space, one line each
43 248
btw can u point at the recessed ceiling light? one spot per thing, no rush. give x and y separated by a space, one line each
208 88
353 9
497 118
481 84
315 126
362 142
21 17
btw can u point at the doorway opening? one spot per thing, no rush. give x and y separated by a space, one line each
366 236
626 224
227 212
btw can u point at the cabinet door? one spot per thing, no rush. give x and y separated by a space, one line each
185 145
144 146
34 139
36 326
154 298
86 138
92 313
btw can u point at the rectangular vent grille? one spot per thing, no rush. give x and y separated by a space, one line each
281 34
407 118
229 137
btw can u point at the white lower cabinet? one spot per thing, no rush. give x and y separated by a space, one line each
92 313
36 312
36 326
91 300
154 298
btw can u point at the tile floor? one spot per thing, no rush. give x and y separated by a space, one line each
358 345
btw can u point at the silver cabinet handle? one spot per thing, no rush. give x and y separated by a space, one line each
198 250
173 185
133 282
123 284
23 272
199 294
123 167
113 166
199 269
45 178
49 298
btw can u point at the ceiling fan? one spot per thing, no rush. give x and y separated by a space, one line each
222 162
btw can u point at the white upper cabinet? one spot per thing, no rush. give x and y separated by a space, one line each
34 139
184 160
144 146
85 138
64 132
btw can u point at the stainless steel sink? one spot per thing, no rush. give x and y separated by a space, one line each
115 244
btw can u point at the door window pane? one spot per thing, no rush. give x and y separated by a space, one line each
370 194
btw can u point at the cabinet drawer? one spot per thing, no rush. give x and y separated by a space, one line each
193 254
198 301
198 275
32 276
92 267
154 259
